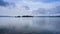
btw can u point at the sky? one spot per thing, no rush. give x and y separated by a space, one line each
29 7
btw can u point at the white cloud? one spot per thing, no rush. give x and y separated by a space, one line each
17 7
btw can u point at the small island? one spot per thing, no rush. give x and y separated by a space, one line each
27 16
24 16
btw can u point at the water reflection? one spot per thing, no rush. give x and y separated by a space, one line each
29 25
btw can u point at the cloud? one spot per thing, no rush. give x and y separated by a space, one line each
47 12
26 7
3 3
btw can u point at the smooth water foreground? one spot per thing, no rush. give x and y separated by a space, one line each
30 25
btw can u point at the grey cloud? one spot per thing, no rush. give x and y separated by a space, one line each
55 10
27 7
40 11
52 11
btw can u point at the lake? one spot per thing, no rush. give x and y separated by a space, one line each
30 25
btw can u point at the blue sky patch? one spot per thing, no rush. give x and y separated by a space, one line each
3 3
46 1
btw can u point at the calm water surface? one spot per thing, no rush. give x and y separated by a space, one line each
30 25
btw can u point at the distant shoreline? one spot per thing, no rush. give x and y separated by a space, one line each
29 16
